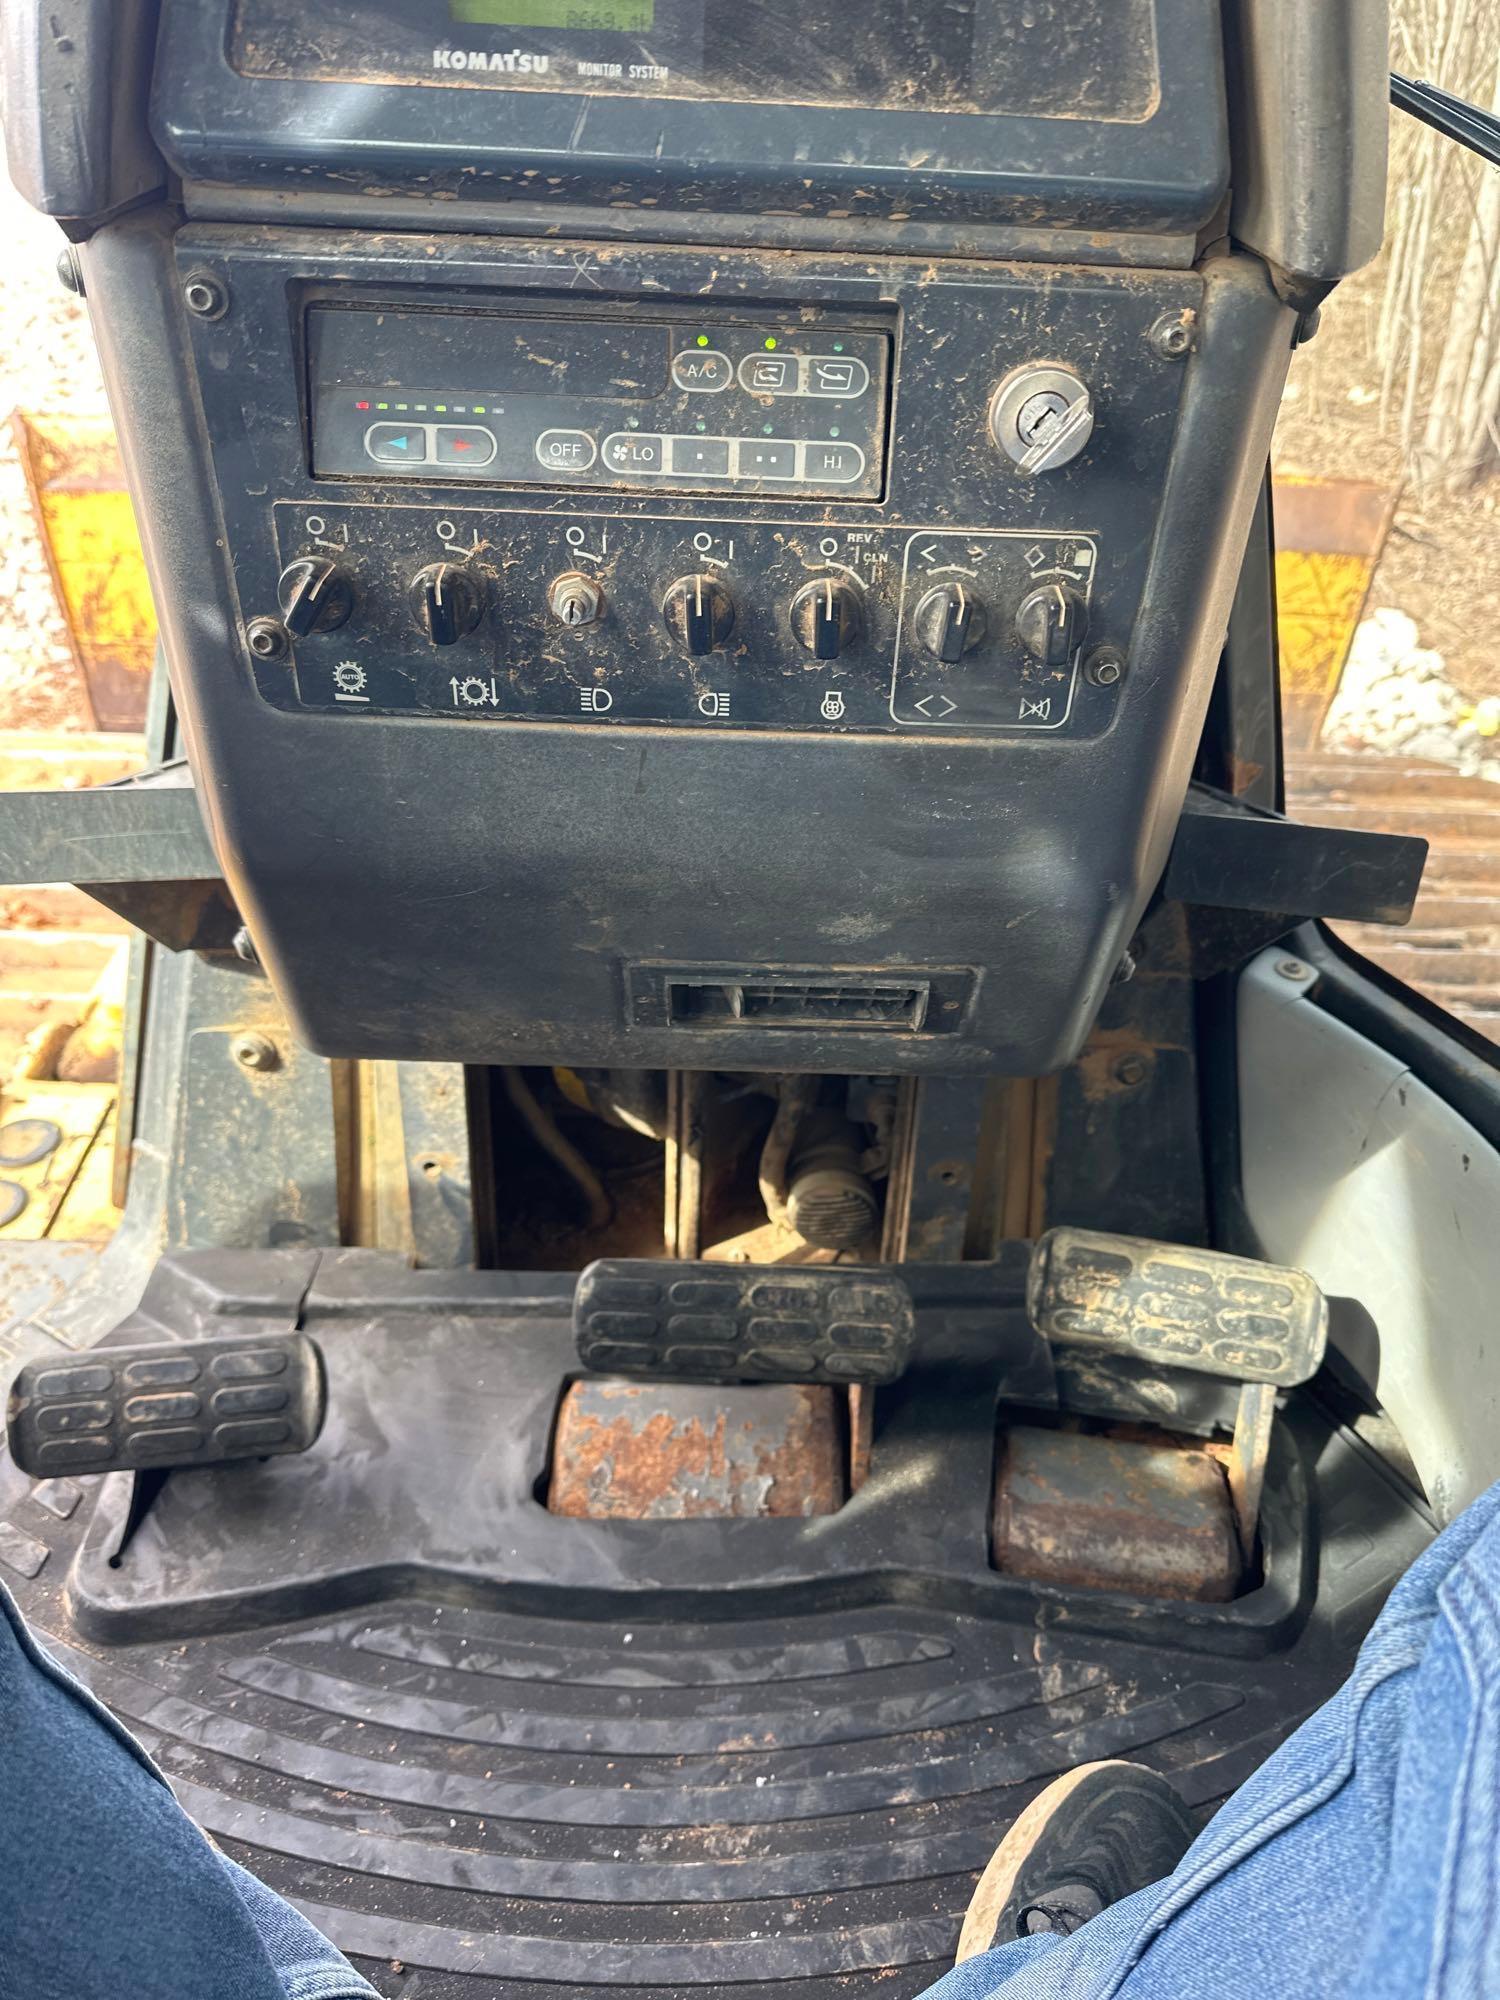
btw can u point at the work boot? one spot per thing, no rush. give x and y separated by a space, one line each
1092 1837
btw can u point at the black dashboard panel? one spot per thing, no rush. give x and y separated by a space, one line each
502 846
569 562
1052 115
629 540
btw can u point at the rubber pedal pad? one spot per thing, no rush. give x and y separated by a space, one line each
184 1403
743 1323
1176 1305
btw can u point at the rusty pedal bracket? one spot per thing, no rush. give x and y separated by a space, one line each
1181 1306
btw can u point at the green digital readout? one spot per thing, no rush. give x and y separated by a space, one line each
616 17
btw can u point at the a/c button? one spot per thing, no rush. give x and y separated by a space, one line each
566 451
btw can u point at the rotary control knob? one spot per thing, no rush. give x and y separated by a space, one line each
950 620
827 616
699 613
446 602
1051 622
315 596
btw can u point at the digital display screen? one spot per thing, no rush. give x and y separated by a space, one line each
615 17
1047 58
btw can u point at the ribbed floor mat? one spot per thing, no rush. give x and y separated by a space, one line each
778 1782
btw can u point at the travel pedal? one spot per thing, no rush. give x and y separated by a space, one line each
1182 1307
742 1323
183 1403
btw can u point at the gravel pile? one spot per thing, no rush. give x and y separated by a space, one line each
1396 698
47 364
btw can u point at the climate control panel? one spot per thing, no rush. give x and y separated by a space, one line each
602 619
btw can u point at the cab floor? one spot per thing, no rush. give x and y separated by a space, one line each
693 1760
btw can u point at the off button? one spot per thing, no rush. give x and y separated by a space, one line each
566 451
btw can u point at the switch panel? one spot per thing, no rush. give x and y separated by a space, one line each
716 403
603 620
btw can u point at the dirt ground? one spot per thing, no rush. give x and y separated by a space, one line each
47 363
1441 564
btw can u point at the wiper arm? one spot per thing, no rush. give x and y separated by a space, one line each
1453 116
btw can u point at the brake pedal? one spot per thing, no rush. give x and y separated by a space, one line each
183 1403
1185 1308
742 1323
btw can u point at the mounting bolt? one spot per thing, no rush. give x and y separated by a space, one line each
1130 1070
1104 666
243 947
1171 336
69 270
267 638
1293 968
255 1052
204 296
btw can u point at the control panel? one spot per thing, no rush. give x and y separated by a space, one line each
474 613
597 400
696 513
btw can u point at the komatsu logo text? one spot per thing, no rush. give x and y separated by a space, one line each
516 61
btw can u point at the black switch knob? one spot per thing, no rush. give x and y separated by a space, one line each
950 620
699 613
827 616
1050 623
445 602
315 596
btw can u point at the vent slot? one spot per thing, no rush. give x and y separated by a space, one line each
799 1003
840 1001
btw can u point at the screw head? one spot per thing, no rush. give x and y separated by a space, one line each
255 1052
1105 666
69 270
267 638
1171 336
204 296
1130 1070
1293 968
243 947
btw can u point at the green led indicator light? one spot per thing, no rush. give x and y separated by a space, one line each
838 347
703 340
833 430
382 406
441 408
701 425
771 340
766 430
480 410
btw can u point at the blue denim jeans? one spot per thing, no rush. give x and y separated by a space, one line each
107 1889
1362 1859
